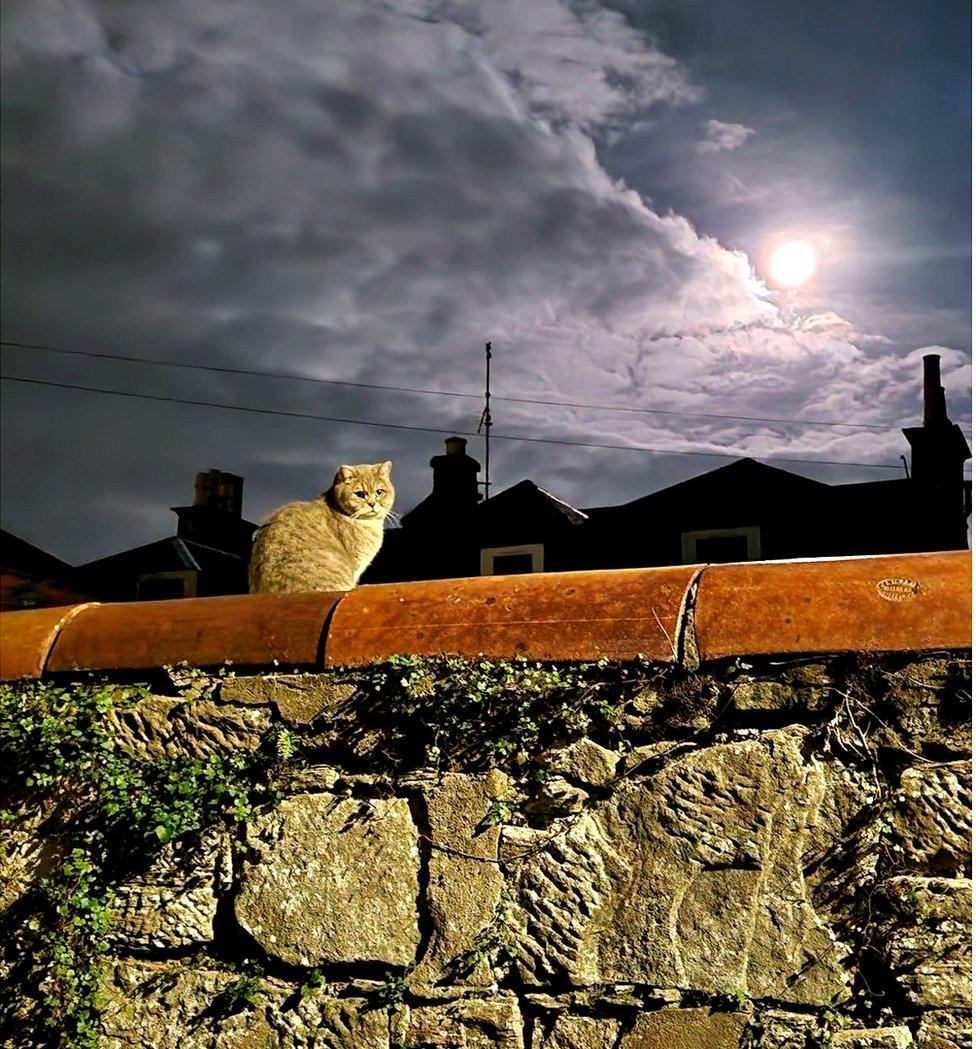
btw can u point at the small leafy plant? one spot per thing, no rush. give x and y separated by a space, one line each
313 984
59 752
449 711
391 992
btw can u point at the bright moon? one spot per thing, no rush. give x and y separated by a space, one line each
793 263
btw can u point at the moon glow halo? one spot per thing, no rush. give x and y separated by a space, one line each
792 263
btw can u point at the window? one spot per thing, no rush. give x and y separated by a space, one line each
511 560
720 545
512 564
162 586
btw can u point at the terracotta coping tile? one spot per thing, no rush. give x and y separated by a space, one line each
555 615
26 638
901 602
246 629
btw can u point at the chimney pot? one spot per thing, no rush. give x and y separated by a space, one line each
933 402
205 488
456 445
230 494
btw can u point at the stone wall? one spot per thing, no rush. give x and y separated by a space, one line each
754 854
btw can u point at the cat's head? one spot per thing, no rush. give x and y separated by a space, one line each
364 492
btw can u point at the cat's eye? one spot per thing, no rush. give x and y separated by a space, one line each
361 495
381 491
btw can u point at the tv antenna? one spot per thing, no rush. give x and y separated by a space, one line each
486 417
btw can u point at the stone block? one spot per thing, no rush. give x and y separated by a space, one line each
164 1005
556 797
30 851
933 815
586 762
298 698
333 880
464 884
927 704
174 903
876 1038
944 1029
785 1030
765 696
692 878
926 938
182 1006
580 1032
470 1023
159 727
685 1029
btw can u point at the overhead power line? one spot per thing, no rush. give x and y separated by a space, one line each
439 431
882 427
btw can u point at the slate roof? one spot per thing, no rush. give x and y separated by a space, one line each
27 559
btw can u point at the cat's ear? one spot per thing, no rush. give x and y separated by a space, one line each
386 467
344 473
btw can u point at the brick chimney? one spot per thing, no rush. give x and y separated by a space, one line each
933 393
214 519
456 475
939 451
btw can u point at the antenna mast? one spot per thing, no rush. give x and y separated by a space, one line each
486 417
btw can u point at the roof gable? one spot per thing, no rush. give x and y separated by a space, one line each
27 559
744 477
527 499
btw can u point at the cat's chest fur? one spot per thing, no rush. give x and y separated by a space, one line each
310 546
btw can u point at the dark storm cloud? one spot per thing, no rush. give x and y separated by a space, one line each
368 191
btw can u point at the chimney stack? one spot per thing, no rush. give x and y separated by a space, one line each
215 519
456 475
934 402
203 489
219 491
939 451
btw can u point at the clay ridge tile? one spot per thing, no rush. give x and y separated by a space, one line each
908 602
247 629
26 638
899 602
549 616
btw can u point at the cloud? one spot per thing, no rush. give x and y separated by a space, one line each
721 137
368 191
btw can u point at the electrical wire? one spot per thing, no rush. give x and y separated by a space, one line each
440 431
882 427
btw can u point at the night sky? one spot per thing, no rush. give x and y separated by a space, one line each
367 191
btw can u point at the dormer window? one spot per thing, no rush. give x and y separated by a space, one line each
163 586
720 545
512 560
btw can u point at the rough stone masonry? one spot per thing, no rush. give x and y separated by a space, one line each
759 855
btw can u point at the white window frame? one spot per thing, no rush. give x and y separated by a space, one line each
489 553
188 576
689 542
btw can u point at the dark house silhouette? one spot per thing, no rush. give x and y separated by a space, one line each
32 578
207 556
746 510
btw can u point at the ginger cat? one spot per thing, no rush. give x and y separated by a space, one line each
325 544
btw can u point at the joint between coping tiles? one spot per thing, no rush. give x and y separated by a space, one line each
71 615
686 640
322 647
